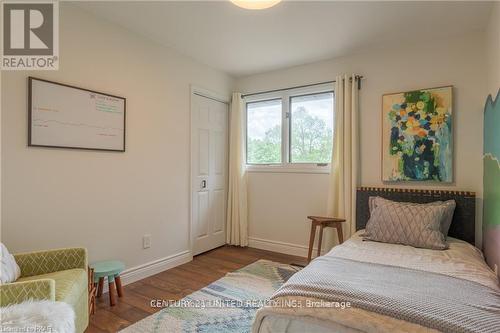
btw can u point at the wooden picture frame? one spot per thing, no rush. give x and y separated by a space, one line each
116 135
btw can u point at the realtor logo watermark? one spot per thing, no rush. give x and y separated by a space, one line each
30 35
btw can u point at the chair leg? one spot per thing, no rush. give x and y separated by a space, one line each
311 241
100 287
339 234
320 240
118 283
112 297
92 298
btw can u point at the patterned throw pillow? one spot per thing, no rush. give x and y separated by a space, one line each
445 222
408 224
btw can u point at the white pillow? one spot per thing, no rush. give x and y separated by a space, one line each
10 270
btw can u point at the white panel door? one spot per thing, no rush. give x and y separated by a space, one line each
209 141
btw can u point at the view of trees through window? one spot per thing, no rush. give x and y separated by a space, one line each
311 130
264 132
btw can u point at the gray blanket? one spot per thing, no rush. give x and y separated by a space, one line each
431 300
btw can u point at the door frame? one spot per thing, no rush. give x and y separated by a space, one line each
223 98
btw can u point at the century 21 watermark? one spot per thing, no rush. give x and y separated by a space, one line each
30 35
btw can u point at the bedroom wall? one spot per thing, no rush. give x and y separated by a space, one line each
280 224
493 52
100 200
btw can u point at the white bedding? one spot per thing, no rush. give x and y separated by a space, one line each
461 260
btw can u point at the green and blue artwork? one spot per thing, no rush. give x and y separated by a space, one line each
417 135
491 184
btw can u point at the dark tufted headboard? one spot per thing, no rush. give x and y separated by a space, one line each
463 225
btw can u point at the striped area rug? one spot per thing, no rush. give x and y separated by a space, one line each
225 306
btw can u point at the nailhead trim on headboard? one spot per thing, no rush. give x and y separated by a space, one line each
412 190
462 226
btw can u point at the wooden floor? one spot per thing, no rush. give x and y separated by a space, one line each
174 284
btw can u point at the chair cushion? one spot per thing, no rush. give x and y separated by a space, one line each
70 284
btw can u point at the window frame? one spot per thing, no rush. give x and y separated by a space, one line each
286 97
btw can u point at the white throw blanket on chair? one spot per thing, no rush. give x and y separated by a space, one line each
38 316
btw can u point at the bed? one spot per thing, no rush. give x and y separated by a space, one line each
365 286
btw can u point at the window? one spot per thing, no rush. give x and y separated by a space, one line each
311 130
290 130
264 132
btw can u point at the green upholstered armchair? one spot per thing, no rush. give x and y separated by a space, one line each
57 275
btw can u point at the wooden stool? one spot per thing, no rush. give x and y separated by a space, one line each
323 222
112 270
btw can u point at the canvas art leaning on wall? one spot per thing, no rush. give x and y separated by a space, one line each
491 185
417 135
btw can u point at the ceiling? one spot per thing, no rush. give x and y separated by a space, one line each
244 42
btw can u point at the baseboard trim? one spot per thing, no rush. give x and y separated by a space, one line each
143 271
281 247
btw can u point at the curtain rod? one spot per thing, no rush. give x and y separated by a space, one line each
357 77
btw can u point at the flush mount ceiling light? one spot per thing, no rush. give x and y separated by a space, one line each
255 4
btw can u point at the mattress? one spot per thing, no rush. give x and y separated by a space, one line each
461 260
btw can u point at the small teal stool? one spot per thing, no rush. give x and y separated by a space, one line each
112 270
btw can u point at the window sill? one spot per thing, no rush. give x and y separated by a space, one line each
288 169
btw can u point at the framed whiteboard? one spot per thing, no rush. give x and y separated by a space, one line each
63 116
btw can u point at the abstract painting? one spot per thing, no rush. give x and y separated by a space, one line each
491 185
417 135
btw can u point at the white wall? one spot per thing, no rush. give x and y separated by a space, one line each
1 173
279 203
493 40
100 200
